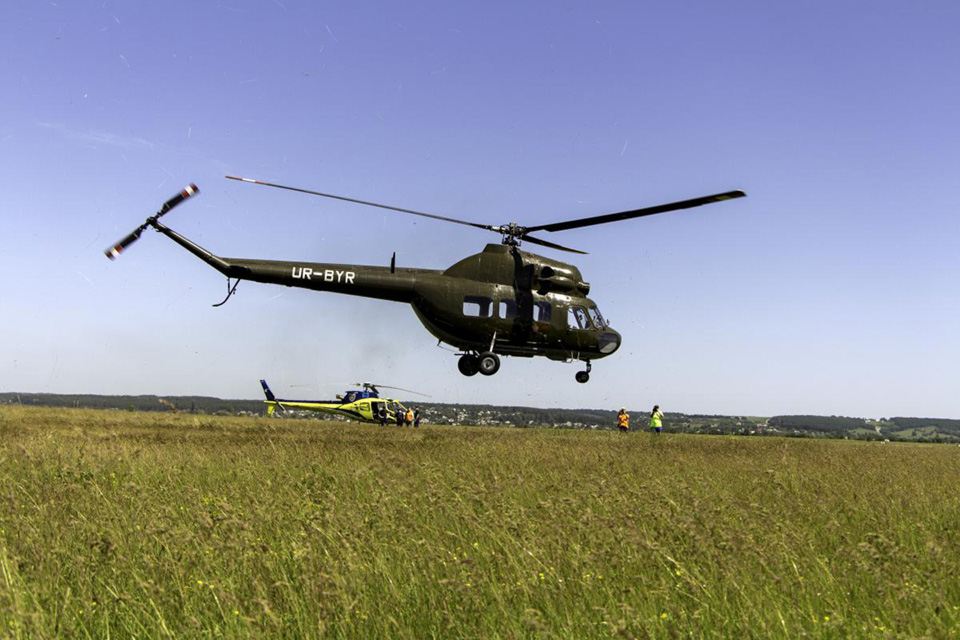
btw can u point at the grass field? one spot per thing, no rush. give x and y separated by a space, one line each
131 524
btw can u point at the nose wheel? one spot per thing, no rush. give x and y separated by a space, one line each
584 376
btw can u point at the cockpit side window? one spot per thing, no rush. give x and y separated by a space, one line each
542 312
577 318
477 306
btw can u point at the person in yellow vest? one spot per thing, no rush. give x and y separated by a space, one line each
623 420
409 417
656 419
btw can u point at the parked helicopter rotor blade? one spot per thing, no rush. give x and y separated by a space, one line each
545 243
372 204
637 213
115 250
383 386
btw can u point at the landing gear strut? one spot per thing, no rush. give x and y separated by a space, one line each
584 376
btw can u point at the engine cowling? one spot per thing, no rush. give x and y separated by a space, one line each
552 279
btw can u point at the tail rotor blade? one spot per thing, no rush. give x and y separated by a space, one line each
117 249
188 191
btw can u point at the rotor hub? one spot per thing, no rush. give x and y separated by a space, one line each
511 233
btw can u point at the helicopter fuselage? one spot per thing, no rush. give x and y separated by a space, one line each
501 300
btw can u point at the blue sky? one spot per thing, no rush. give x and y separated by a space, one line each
831 289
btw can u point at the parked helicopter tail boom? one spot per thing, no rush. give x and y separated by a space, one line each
267 392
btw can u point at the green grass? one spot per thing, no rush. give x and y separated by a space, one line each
132 524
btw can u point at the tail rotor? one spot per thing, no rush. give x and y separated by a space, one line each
113 251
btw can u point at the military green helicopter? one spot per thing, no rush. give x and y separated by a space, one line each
501 301
364 404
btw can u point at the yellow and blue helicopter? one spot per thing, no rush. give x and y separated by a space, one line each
363 405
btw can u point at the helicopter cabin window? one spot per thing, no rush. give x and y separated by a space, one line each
542 312
477 306
577 318
508 309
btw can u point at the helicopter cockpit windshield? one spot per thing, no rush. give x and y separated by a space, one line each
598 319
584 319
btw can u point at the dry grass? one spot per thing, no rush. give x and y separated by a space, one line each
151 525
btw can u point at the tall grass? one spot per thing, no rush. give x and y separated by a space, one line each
150 525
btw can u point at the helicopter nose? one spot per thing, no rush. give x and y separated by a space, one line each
609 342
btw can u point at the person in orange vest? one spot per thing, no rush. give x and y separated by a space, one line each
409 417
623 420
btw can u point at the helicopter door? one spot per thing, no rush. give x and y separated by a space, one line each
578 326
542 320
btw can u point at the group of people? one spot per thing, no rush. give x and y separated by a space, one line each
410 418
656 420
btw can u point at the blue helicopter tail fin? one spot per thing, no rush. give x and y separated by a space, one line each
267 392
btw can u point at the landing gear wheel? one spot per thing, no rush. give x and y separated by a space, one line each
468 364
489 363
582 376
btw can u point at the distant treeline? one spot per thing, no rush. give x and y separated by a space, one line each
942 424
187 404
818 423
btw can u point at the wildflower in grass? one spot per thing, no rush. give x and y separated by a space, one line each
235 612
663 616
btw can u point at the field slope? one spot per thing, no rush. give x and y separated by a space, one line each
165 525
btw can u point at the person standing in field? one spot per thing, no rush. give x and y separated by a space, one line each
656 419
416 417
623 420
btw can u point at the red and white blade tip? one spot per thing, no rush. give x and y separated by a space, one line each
113 252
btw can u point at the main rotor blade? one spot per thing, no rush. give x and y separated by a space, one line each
637 213
384 386
545 243
372 204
